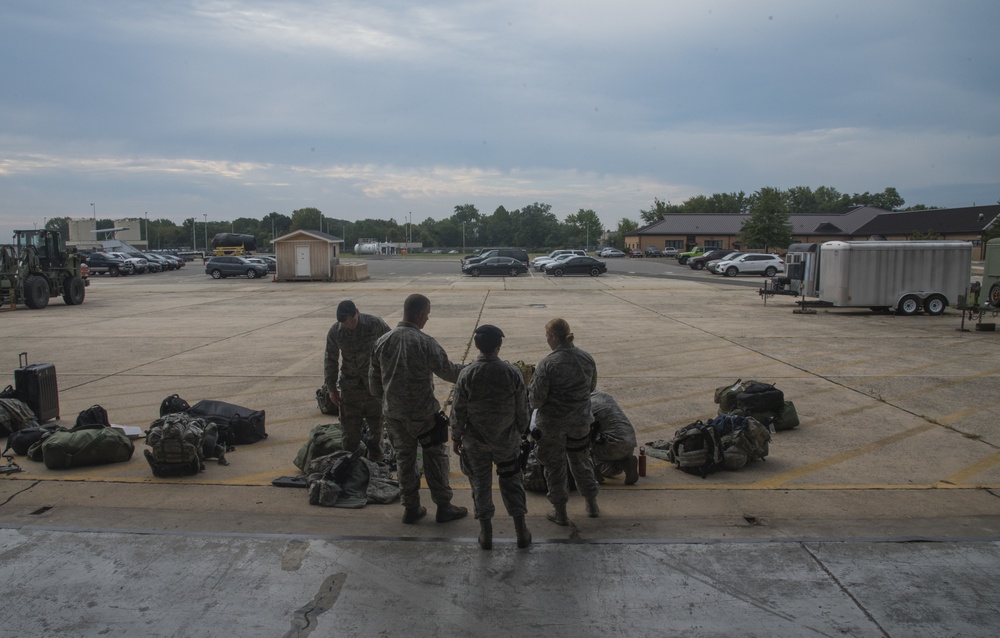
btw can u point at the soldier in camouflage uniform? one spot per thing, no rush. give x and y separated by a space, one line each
489 416
560 390
351 339
404 362
613 438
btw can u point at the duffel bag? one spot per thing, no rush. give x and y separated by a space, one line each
787 418
22 440
86 446
245 426
760 397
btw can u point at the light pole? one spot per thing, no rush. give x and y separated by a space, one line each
94 206
194 243
205 215
463 238
148 245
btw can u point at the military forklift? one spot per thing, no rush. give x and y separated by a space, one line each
38 266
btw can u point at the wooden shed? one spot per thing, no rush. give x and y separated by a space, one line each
307 255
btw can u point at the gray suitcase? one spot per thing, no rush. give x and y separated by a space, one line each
36 385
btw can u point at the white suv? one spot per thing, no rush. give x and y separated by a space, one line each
751 264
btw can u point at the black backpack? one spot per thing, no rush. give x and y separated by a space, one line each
760 397
696 449
22 440
94 415
173 404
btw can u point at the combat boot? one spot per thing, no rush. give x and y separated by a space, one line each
449 512
521 529
592 510
413 514
486 533
558 514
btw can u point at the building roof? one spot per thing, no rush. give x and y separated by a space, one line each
844 222
333 239
974 219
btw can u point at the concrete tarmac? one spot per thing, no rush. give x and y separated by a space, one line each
877 516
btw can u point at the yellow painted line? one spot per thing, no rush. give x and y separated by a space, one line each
948 419
947 384
845 456
976 468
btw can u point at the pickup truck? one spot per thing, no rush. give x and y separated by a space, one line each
105 264
682 258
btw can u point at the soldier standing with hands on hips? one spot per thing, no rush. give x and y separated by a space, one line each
403 365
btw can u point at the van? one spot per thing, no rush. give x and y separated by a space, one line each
516 253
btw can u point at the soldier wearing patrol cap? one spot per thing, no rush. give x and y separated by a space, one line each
351 339
488 419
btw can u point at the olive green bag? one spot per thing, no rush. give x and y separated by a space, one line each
87 445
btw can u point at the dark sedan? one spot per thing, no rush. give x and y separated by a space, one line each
576 266
496 266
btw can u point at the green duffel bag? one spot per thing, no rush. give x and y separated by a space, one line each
324 439
86 446
788 418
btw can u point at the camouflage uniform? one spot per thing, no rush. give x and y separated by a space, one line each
489 416
403 363
356 401
560 390
615 436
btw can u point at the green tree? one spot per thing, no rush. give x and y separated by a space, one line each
583 228
58 223
768 225
537 227
889 199
625 226
306 219
657 211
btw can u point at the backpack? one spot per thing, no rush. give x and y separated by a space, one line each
725 397
696 449
326 406
179 443
236 424
173 404
323 440
743 439
94 415
85 445
15 415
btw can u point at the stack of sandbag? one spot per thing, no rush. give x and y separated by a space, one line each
762 401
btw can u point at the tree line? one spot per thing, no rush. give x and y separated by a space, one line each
534 227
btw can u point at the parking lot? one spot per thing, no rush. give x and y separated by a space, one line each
898 437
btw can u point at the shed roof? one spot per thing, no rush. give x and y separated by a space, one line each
315 234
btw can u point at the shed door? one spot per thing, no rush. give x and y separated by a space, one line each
302 261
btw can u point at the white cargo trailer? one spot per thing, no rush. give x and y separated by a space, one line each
907 276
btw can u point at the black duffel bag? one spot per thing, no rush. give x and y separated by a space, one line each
237 425
760 397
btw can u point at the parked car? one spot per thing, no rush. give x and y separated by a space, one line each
670 252
577 264
496 266
234 266
635 252
272 263
517 253
611 253
653 251
539 262
165 264
751 264
139 264
699 262
105 264
177 261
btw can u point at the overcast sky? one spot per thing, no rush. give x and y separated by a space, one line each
383 109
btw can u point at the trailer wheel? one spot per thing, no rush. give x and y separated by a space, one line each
909 305
36 292
935 305
74 291
994 297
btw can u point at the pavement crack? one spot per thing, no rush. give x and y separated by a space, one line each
305 617
19 492
843 588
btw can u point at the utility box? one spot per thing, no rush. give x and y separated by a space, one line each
903 275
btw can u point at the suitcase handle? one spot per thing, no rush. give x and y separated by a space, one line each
23 359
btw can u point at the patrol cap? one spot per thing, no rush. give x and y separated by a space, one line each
489 330
346 310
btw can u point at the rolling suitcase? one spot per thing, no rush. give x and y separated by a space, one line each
36 385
